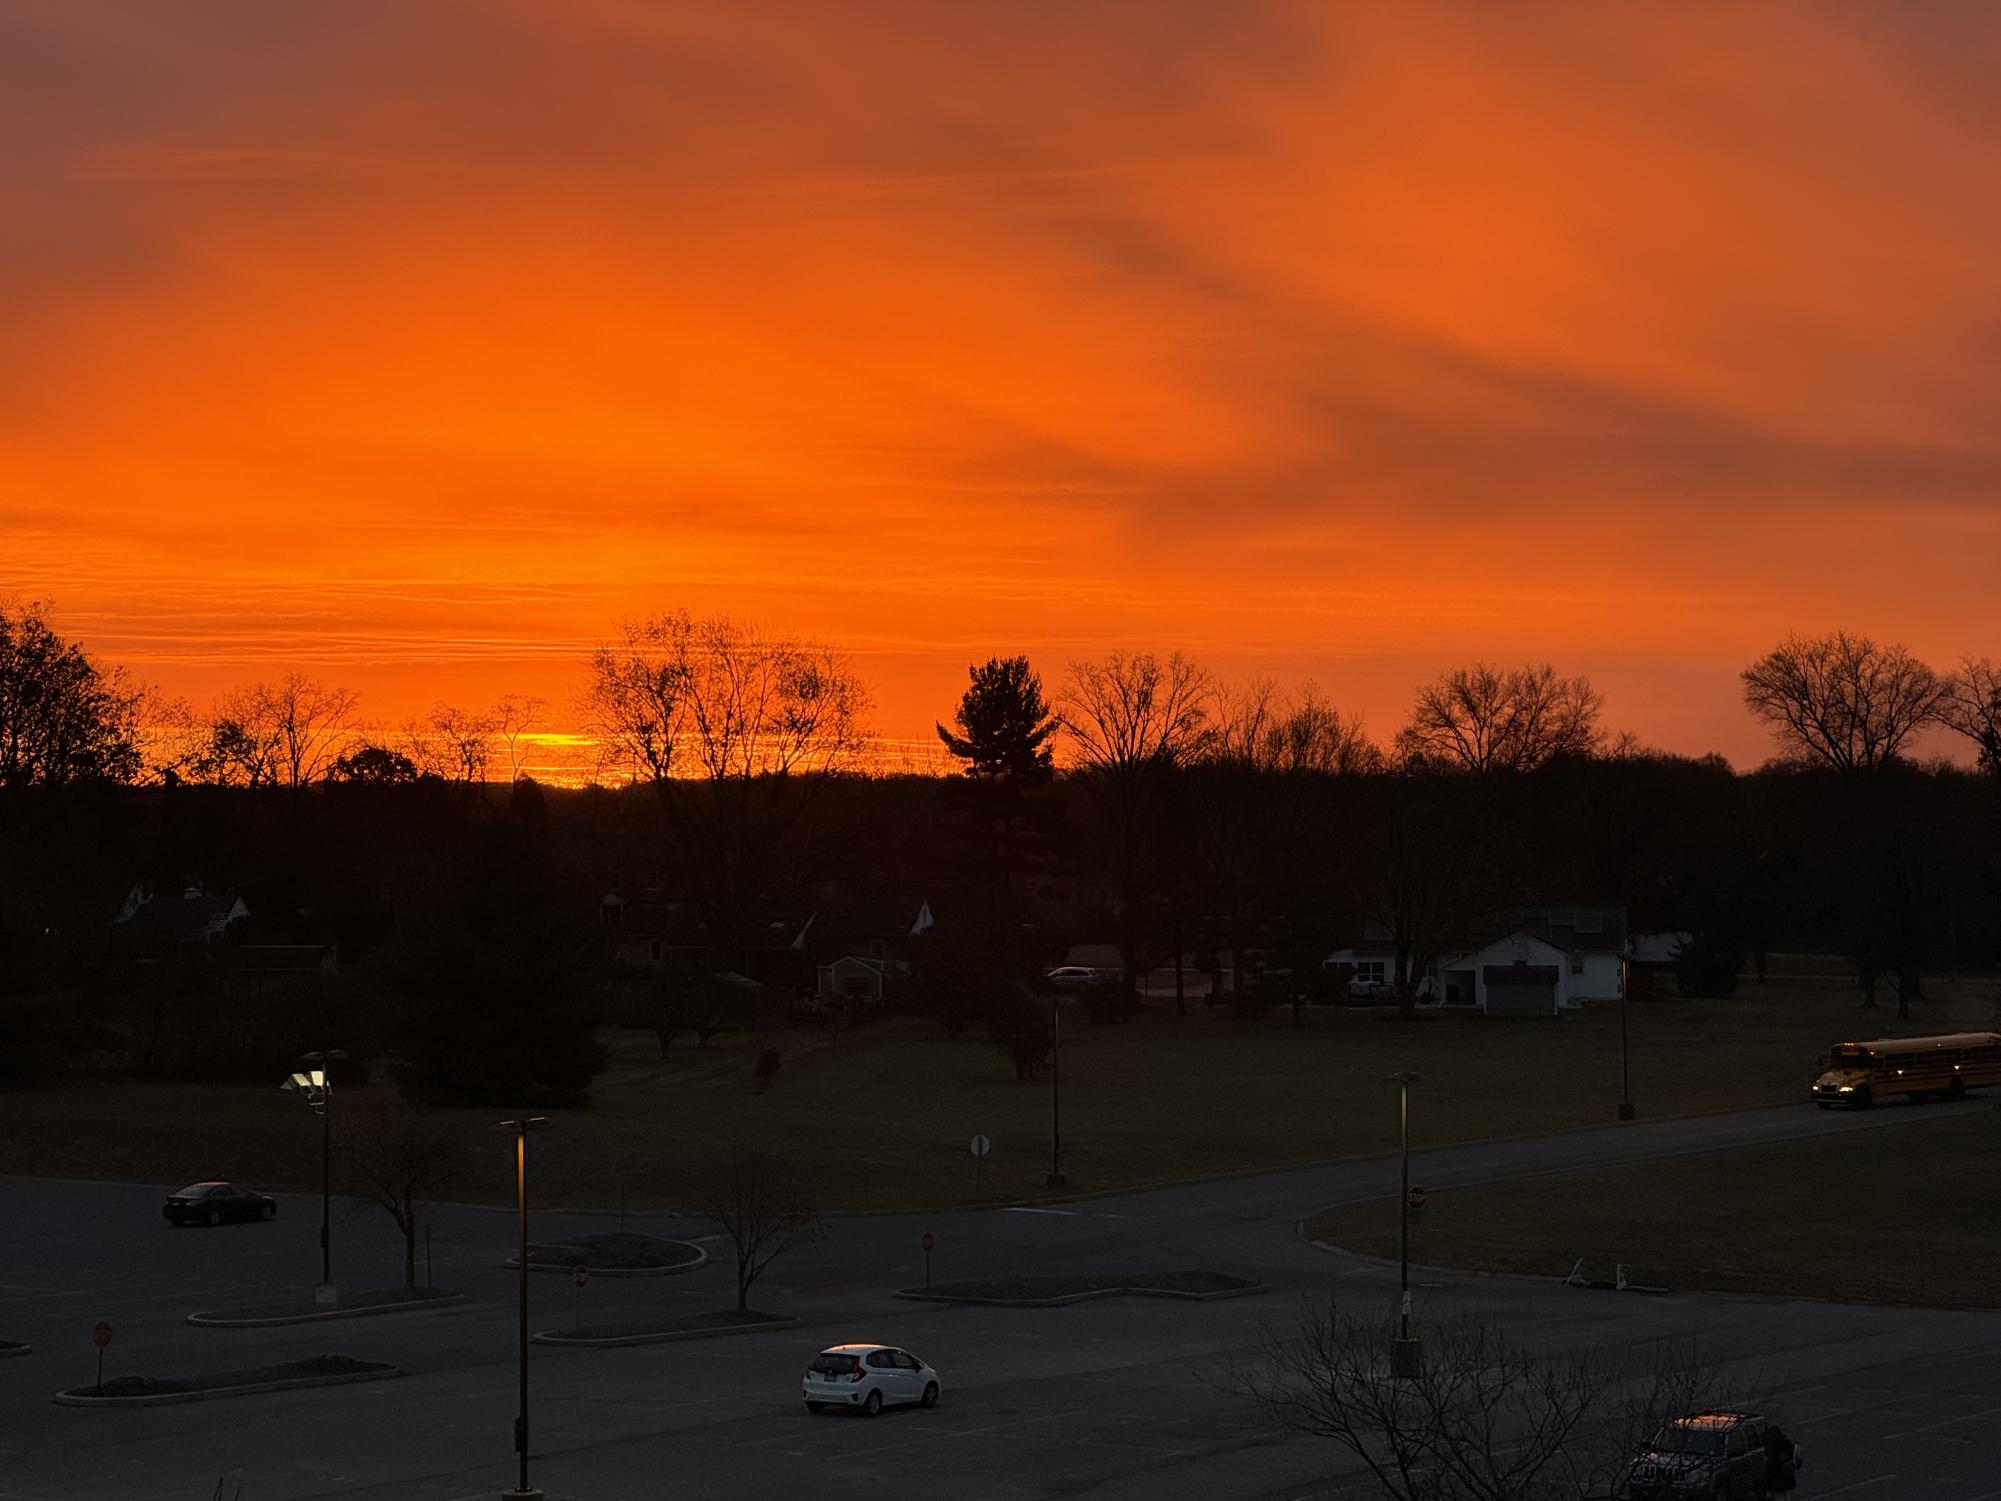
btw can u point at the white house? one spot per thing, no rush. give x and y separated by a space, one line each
1556 958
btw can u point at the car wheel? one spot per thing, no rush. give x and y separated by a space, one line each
872 1403
1956 1090
211 1219
267 1211
930 1397
816 1407
1864 1098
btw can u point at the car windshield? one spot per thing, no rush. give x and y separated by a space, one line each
832 1364
1674 1439
196 1191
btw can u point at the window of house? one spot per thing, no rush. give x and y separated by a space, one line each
653 950
1577 964
1372 969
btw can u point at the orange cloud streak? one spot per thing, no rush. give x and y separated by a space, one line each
420 346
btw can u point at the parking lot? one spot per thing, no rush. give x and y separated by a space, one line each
1116 1398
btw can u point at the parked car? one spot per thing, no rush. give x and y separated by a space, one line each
1707 1454
867 1378
212 1203
1073 976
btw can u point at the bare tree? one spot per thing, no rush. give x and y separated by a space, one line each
763 1210
515 714
1843 700
738 732
453 743
1481 718
289 732
1485 1418
1259 790
1133 722
1972 708
400 1157
1432 837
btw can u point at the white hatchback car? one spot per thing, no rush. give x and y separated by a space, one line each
867 1378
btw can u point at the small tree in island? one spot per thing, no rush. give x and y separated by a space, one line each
400 1158
763 1210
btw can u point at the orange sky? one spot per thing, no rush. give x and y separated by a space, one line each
416 345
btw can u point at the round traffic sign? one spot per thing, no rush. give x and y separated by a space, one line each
981 1146
1415 1198
101 1335
581 1275
929 1240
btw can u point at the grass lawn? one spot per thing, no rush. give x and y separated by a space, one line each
881 1116
1901 1215
622 1251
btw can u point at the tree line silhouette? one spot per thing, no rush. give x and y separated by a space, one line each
1235 833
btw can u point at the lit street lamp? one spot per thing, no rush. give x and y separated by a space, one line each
1404 1350
315 1084
521 1128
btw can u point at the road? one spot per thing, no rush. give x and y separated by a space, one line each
1114 1399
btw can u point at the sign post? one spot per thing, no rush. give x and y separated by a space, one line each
100 1336
928 1242
980 1147
579 1277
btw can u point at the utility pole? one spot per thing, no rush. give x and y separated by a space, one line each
1404 1352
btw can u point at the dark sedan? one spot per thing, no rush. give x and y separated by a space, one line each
212 1203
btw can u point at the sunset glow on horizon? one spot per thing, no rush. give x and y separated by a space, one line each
414 348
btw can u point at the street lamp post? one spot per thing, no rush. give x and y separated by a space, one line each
1625 1064
1404 1352
520 1128
1056 1178
315 1084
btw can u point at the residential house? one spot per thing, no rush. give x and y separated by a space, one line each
154 927
1550 958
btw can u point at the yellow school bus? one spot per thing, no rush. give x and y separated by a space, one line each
1857 1074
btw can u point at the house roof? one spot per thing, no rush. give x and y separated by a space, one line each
183 916
862 912
277 956
1507 951
683 924
1590 929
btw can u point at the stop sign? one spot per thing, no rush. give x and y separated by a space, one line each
581 1275
101 1335
928 1241
1415 1198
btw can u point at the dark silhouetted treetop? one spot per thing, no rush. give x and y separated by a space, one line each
1481 718
1973 708
1843 700
374 764
1004 725
63 718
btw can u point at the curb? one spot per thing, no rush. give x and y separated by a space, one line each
918 1295
701 1259
6 1350
81 1397
664 1336
219 1319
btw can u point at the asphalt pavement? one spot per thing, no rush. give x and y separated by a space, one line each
1111 1399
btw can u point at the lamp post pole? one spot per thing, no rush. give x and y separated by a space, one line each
316 1084
1625 1065
1404 1349
1056 1178
522 1491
